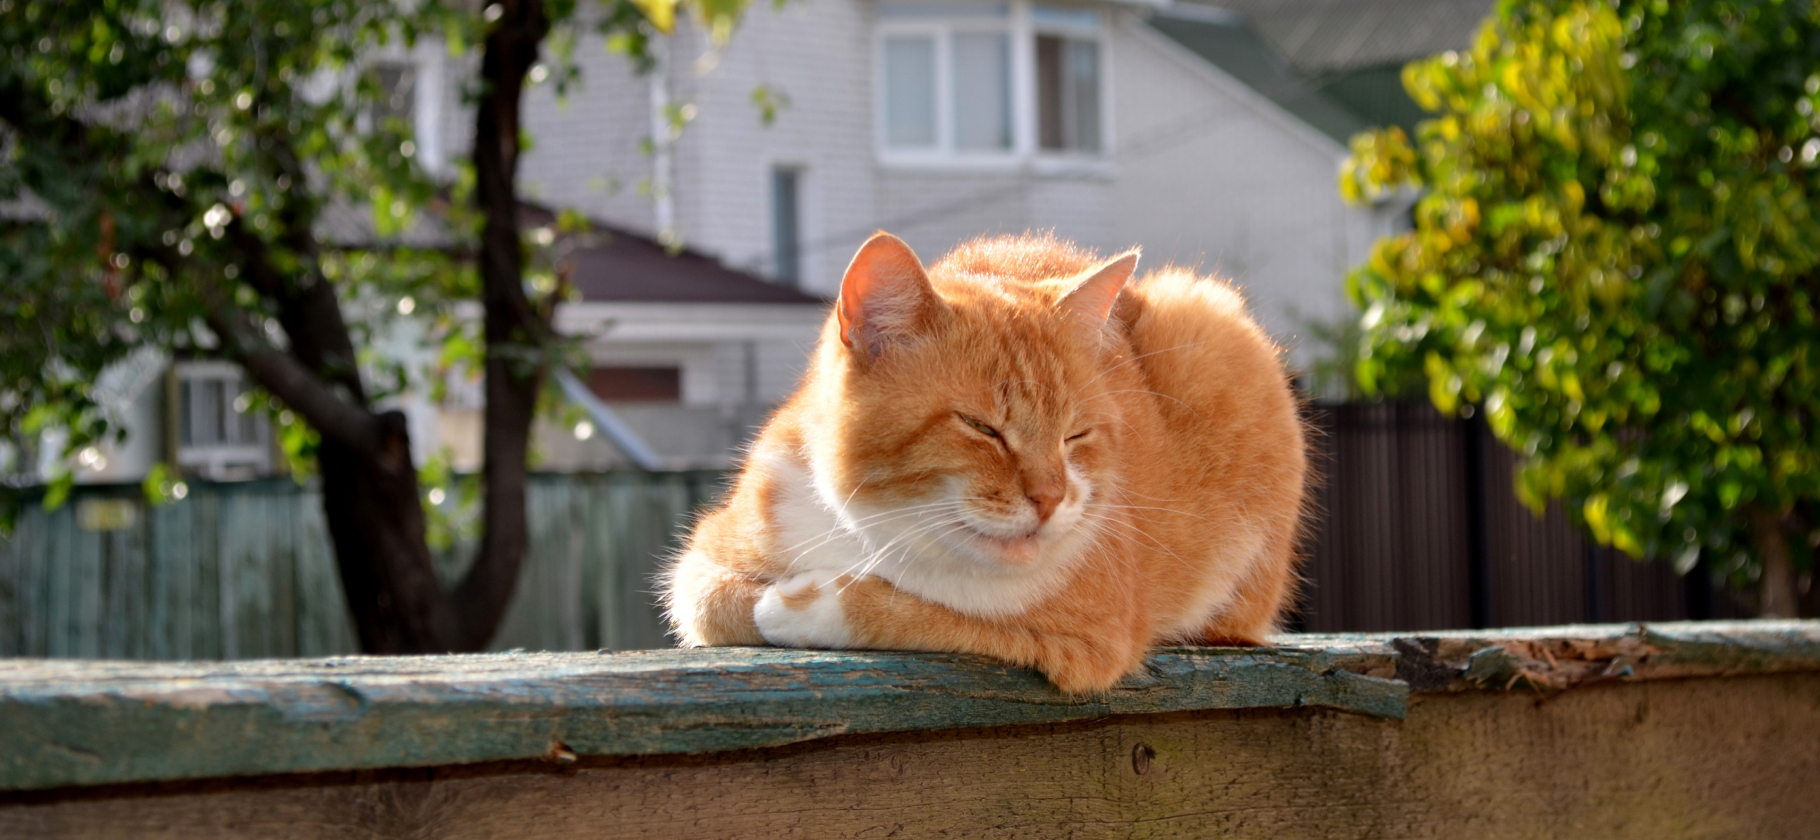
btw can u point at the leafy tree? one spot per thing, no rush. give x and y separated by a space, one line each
169 173
1616 254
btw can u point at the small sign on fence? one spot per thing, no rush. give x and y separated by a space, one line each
107 514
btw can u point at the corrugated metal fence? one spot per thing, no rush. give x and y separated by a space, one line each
1419 527
245 570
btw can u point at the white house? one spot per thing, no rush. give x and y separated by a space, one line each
1112 123
1207 133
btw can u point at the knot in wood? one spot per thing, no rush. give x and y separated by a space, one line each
1141 756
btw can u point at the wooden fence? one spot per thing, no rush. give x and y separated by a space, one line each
239 571
1418 528
1703 729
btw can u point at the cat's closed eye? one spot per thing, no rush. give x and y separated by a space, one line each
979 426
1078 435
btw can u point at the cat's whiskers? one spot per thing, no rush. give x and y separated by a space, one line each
902 542
1118 506
1134 528
840 529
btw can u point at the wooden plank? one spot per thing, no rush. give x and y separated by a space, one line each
68 722
11 596
87 582
325 627
597 563
619 501
158 584
1712 758
570 548
207 626
60 595
282 544
80 723
17 594
183 563
521 626
122 581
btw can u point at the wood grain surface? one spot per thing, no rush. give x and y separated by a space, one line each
66 723
1712 757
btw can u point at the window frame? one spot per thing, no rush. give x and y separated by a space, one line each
1069 34
222 460
1021 30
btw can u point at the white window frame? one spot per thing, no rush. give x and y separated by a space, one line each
1022 31
244 459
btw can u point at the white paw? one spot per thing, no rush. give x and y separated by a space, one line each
804 611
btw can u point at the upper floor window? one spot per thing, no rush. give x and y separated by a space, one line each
1067 79
961 79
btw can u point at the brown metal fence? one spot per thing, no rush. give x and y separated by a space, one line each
1418 527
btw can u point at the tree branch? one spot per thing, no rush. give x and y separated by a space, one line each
288 378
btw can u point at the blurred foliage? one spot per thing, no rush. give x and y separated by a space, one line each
1615 253
148 147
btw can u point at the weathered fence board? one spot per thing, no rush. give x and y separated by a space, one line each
77 722
83 722
1648 761
1419 528
242 571
1687 730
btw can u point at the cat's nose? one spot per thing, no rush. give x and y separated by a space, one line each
1045 499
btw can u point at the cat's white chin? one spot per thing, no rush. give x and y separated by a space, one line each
1016 551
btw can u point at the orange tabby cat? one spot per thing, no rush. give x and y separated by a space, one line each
1015 453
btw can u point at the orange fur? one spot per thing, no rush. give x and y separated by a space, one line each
933 475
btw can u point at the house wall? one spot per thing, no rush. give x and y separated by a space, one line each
587 148
1203 171
1212 175
817 54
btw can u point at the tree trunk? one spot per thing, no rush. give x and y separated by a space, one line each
369 483
1779 595
516 334
370 491
377 525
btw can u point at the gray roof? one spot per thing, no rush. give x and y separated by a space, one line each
1231 44
1328 36
609 264
1334 64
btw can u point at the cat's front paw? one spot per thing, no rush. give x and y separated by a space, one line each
804 611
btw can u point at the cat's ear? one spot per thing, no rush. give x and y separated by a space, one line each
884 296
1090 302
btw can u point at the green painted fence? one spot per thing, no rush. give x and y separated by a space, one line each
245 570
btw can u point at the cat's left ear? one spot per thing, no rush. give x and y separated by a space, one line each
884 297
1090 302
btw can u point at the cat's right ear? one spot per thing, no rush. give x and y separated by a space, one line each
885 296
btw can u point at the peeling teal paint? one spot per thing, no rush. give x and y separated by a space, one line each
69 723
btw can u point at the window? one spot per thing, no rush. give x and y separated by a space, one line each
910 92
636 384
786 232
1068 93
217 434
985 80
397 93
